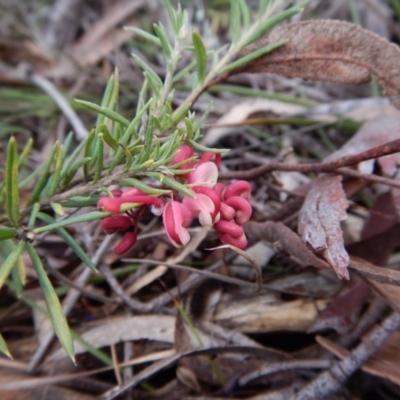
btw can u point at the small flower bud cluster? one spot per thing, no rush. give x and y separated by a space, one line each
226 208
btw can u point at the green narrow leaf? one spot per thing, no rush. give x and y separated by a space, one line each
131 130
12 193
107 137
89 153
182 18
74 156
129 134
163 40
252 56
67 144
55 178
170 146
100 159
153 78
32 217
264 4
184 72
57 208
74 169
128 159
91 216
81 201
206 149
132 182
107 112
235 27
56 314
117 132
7 233
4 348
178 117
275 20
148 140
201 56
189 128
112 101
10 262
170 183
18 275
71 242
95 352
25 152
44 177
172 16
245 13
144 34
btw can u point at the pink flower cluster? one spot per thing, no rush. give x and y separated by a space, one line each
226 208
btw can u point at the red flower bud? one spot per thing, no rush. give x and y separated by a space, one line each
128 240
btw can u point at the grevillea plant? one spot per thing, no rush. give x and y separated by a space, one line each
126 165
227 208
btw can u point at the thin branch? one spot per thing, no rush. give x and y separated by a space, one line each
331 381
133 304
327 166
274 367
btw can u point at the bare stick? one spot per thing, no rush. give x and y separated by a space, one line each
331 381
327 166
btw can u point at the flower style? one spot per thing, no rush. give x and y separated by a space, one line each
227 208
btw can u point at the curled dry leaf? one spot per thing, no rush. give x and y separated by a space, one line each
319 221
333 51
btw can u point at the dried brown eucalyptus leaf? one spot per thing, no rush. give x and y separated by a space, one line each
333 51
319 221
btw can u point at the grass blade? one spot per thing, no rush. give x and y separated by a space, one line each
54 308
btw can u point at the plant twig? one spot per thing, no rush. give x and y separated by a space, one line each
331 381
327 166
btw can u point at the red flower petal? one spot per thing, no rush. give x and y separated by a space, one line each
128 240
241 242
115 223
242 207
230 228
176 217
238 188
